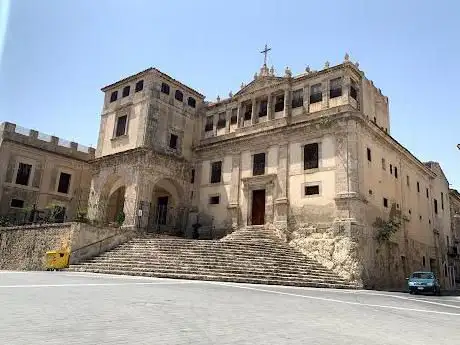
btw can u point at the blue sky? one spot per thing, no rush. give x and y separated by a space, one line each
58 54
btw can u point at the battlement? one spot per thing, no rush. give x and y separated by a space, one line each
12 132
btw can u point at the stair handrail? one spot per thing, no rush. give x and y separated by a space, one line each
93 243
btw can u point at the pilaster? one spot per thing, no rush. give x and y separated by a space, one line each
234 190
281 201
254 109
269 107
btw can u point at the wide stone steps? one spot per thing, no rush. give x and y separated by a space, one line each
248 257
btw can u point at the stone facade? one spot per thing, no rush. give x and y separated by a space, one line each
48 159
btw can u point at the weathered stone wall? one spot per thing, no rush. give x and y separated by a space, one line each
24 248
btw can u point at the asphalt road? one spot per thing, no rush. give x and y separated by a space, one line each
71 308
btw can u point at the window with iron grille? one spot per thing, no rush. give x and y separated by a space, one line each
214 200
263 108
221 121
209 126
16 203
234 117
354 90
139 86
179 95
335 88
258 164
165 88
121 125
126 90
297 98
173 141
312 190
23 174
64 183
191 102
248 112
113 96
216 172
316 95
310 156
279 103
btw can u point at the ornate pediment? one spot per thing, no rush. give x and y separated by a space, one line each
259 83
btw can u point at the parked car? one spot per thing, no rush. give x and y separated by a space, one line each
422 282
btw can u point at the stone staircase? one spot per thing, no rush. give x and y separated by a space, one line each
254 255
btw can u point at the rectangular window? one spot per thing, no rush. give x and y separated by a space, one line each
279 103
385 202
369 155
312 190
418 187
23 174
173 141
16 203
234 117
442 201
391 169
427 194
214 200
125 92
311 156
297 98
408 180
248 112
64 183
139 86
216 172
335 88
384 164
396 172
209 126
435 206
192 176
316 95
121 125
258 164
221 121
263 108
353 90
113 96
165 88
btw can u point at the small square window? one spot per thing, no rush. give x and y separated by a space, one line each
214 200
312 190
16 203
385 202
165 88
370 191
113 96
23 174
369 155
191 102
139 86
173 141
126 90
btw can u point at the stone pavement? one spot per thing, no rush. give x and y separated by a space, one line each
86 309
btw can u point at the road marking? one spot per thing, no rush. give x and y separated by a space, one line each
343 302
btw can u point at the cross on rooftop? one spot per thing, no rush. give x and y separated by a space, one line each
265 51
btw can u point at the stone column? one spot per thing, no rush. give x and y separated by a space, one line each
281 202
233 205
287 105
228 115
306 97
325 91
254 109
269 107
238 116
346 88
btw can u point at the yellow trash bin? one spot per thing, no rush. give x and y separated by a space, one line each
57 259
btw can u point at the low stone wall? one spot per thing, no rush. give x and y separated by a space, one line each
24 247
333 245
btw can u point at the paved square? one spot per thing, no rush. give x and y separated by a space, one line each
71 308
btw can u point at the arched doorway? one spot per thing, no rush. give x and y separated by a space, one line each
115 205
167 211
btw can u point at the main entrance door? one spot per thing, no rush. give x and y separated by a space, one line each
162 210
258 207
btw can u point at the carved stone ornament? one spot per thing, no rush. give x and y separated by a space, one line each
347 57
326 64
288 72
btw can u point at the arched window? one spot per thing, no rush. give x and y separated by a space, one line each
191 102
139 86
179 96
126 90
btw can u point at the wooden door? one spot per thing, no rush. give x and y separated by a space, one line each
258 207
